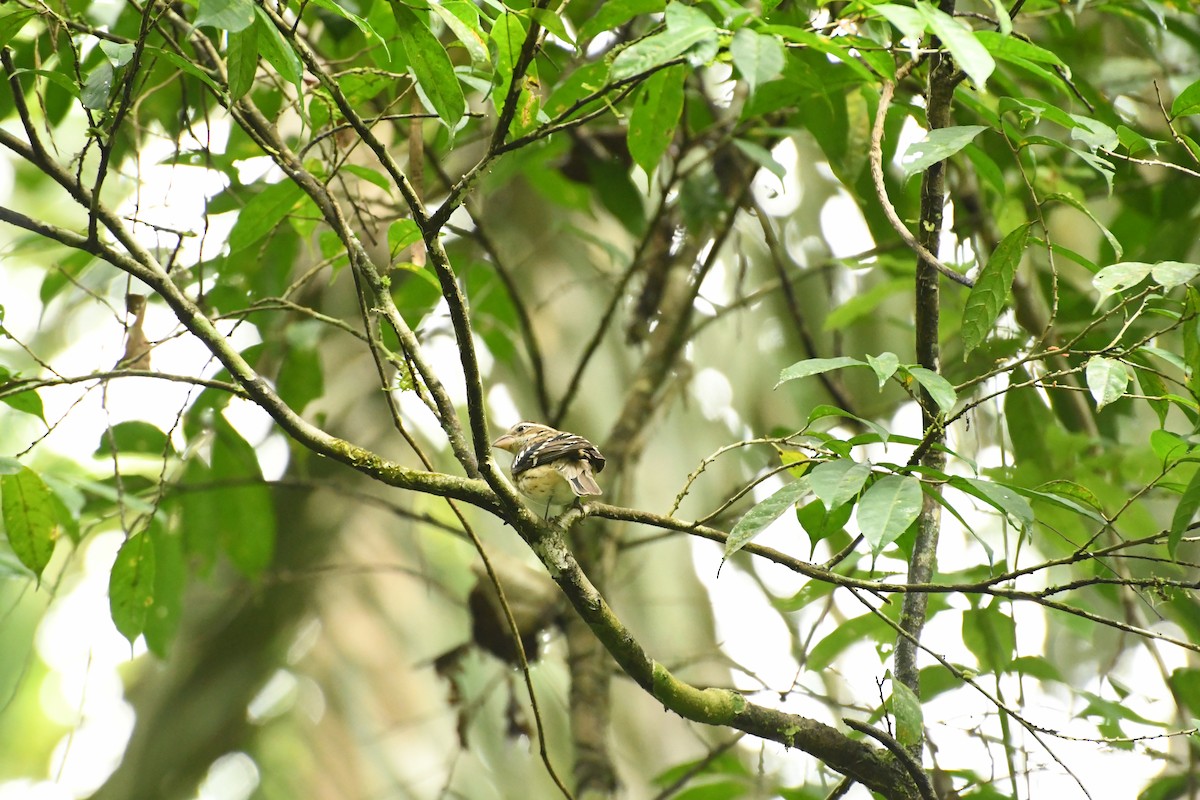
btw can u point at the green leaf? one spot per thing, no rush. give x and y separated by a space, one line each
247 515
906 709
837 482
1185 512
656 109
938 387
462 19
757 56
1187 102
133 437
29 402
263 212
131 586
1169 274
887 509
991 636
615 13
908 21
938 145
864 303
401 234
992 288
884 365
998 496
12 22
1094 134
118 54
301 379
1120 276
226 15
170 577
761 156
868 627
97 86
969 54
430 65
1113 242
363 26
763 514
687 28
815 366
1107 380
29 518
242 61
278 53
820 523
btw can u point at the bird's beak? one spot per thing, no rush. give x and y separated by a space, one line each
505 442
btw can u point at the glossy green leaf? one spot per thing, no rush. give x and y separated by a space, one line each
462 19
938 387
687 27
1187 102
839 481
1107 380
757 56
29 518
655 115
614 13
118 53
364 27
278 53
401 234
763 514
884 365
971 56
992 288
242 61
815 366
910 22
938 145
225 15
430 65
131 586
28 402
887 508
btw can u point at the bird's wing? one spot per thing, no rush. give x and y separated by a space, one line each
559 446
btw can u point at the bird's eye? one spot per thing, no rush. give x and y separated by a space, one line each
520 428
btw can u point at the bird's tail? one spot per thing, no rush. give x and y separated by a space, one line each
581 480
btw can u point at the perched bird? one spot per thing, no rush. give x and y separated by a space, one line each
549 466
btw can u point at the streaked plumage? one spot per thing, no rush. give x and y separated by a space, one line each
551 466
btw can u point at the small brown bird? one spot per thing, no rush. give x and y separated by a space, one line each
549 466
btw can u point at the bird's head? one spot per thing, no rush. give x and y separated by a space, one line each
521 434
